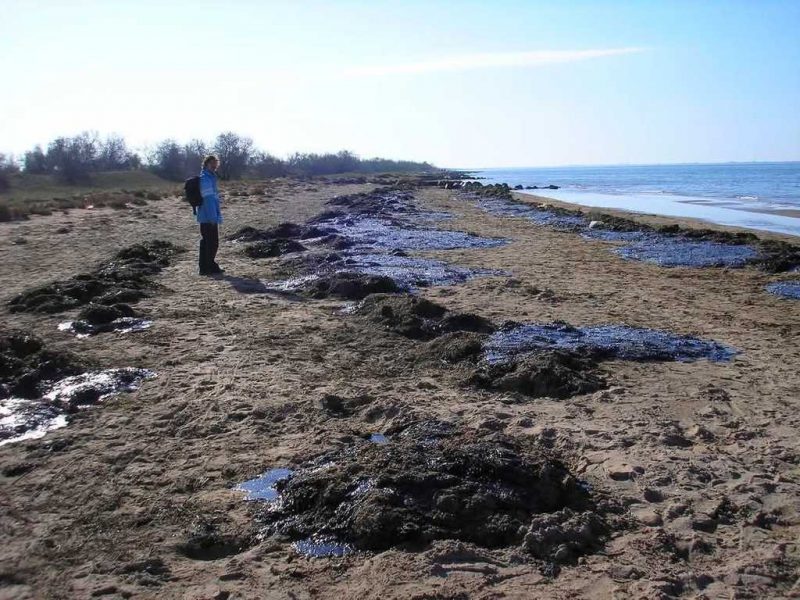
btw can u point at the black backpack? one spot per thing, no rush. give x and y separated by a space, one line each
191 190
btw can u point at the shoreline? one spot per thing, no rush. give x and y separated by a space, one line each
657 219
104 504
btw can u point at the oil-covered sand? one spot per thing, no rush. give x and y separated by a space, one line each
410 466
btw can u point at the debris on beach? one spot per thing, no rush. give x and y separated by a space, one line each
559 220
434 481
418 318
342 284
369 234
666 246
679 252
411 272
39 388
545 373
26 418
273 248
100 318
123 279
28 366
786 289
602 342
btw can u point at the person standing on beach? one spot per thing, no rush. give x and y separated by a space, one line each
209 216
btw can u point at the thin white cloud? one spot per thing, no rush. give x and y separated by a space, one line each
467 62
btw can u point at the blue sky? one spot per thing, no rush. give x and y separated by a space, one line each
461 84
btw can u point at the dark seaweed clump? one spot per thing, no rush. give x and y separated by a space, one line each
347 285
123 279
666 245
418 318
27 367
602 342
287 230
433 482
551 374
273 248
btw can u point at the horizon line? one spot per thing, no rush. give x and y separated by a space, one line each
649 164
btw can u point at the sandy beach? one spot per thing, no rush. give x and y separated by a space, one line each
695 462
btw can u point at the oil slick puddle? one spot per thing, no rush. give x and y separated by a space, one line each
321 548
84 329
610 341
26 418
785 289
263 487
22 419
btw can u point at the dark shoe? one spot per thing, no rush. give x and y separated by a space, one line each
217 270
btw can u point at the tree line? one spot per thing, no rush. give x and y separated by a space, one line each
74 159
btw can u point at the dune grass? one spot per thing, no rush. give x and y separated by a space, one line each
42 194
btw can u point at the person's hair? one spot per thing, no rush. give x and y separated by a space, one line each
208 159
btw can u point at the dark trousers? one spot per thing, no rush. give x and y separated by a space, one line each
209 243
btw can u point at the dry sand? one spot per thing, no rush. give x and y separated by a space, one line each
704 455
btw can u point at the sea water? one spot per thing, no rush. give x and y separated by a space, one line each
763 196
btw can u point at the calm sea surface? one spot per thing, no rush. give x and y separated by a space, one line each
753 195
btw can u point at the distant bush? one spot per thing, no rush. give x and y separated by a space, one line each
323 164
265 165
168 160
7 167
35 161
73 159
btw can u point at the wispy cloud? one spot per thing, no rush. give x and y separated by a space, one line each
465 62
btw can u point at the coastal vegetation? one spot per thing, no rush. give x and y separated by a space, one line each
87 169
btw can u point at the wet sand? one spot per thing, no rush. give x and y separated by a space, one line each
702 456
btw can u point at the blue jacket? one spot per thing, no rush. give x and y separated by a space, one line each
208 211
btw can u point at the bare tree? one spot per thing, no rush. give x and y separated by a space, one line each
72 159
113 154
234 152
195 151
168 160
